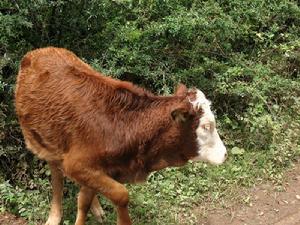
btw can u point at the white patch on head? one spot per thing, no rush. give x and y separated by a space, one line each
211 147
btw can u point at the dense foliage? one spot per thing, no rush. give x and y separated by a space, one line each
245 55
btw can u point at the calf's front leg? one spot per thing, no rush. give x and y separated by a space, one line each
85 198
97 209
99 181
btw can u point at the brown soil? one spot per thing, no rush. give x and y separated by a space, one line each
267 205
9 219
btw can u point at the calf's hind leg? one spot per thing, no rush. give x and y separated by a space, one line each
57 181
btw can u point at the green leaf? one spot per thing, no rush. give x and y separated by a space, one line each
237 151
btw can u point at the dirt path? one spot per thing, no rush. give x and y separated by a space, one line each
9 219
267 206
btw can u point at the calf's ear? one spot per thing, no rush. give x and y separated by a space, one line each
180 115
181 89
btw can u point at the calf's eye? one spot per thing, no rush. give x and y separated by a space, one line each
206 127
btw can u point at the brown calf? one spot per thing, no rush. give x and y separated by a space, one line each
101 132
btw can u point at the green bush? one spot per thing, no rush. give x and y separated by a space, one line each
245 55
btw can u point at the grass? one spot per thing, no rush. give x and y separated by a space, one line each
168 197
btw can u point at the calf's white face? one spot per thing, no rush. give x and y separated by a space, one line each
211 147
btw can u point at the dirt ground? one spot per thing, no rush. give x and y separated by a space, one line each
9 219
267 206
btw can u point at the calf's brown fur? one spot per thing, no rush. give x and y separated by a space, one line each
98 131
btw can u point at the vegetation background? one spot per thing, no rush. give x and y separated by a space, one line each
245 55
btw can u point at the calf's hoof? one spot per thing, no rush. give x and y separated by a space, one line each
53 220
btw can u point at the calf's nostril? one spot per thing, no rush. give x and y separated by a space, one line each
226 155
